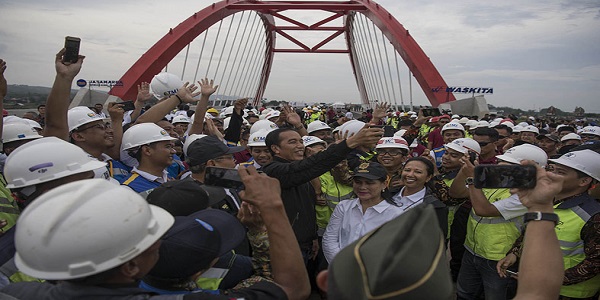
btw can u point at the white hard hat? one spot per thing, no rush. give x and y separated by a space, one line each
517 128
273 114
226 122
570 136
316 126
11 119
508 123
471 124
523 124
263 124
34 124
455 116
463 120
46 159
81 115
181 119
189 140
453 126
228 111
17 131
257 139
494 124
84 228
522 152
310 140
392 142
481 124
352 127
165 84
144 134
594 130
400 133
530 128
586 161
266 111
463 145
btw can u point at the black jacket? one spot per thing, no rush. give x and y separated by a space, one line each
297 193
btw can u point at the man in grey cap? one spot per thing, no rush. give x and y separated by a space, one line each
209 151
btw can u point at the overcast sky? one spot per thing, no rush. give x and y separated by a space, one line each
533 53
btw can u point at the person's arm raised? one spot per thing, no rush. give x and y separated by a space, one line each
59 98
367 137
143 96
288 267
116 112
185 94
207 88
541 276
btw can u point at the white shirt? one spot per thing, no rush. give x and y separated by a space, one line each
510 207
348 224
408 202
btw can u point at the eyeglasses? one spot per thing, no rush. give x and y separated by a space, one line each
99 126
391 153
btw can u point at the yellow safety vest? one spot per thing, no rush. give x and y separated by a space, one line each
492 237
334 192
568 231
9 210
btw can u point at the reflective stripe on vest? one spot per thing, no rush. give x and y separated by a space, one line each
492 238
568 232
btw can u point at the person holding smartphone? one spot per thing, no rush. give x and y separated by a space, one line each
493 225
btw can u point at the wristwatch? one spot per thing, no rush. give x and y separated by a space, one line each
469 181
540 216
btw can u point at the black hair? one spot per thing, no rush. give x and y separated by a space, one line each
273 138
565 128
429 166
505 127
486 131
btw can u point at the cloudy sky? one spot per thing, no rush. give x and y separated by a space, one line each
533 53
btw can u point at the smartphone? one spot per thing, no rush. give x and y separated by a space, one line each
128 105
505 176
223 177
72 46
388 131
431 112
472 157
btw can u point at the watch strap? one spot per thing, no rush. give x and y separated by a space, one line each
540 216
469 181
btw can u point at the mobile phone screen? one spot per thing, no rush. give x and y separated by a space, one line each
72 47
223 177
431 112
505 176
128 105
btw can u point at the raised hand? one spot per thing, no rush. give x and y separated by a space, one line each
366 137
541 197
250 217
239 105
291 116
187 93
3 84
380 110
261 190
115 111
143 94
67 70
207 87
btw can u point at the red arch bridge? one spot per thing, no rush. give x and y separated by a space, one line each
233 42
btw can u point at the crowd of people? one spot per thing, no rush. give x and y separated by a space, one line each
168 202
